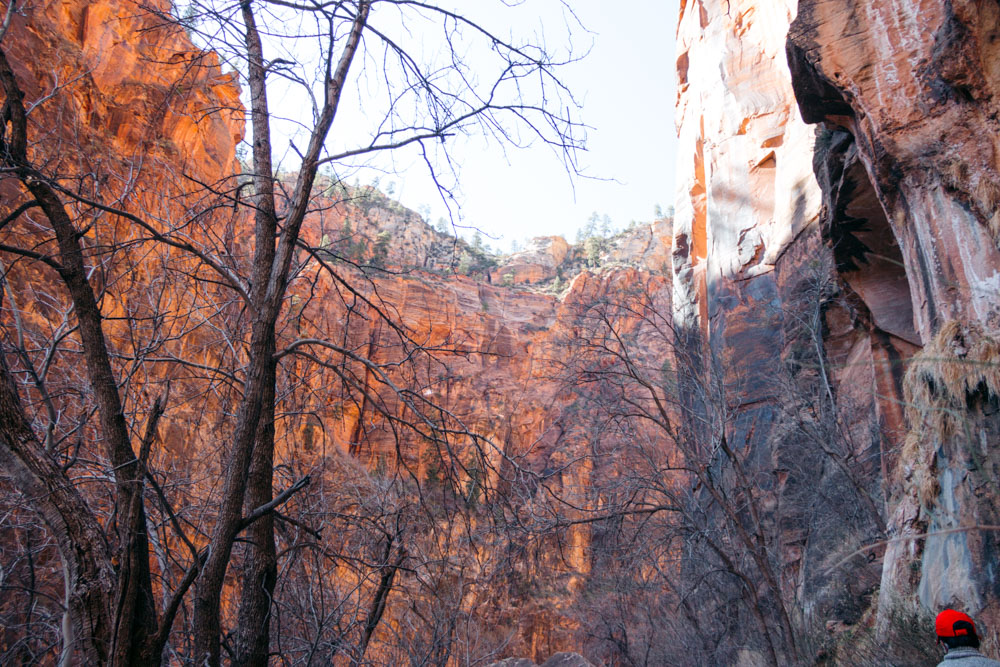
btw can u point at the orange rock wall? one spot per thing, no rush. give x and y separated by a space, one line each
850 149
154 123
912 88
150 99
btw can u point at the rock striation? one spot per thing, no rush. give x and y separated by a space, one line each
909 90
848 149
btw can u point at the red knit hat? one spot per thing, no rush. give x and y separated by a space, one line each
951 623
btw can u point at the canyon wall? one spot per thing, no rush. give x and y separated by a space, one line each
830 278
907 92
755 292
840 160
131 113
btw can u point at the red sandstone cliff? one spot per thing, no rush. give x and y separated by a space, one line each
863 168
918 129
835 245
149 124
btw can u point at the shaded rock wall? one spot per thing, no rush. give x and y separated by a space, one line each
915 84
755 287
910 88
852 168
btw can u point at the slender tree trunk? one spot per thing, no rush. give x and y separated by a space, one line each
89 576
208 589
134 624
257 410
269 284
260 565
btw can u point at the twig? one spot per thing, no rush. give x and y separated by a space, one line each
280 499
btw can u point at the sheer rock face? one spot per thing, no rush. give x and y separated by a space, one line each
745 182
746 188
911 89
887 208
916 84
155 99
751 271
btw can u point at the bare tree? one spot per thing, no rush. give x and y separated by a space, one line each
90 239
697 505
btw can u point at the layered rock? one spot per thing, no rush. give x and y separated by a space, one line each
910 89
541 261
884 216
754 291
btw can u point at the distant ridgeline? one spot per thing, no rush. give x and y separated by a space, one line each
363 226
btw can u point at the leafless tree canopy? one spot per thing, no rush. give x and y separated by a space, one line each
146 300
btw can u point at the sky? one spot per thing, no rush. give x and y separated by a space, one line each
627 88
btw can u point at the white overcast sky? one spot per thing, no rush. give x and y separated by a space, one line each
626 87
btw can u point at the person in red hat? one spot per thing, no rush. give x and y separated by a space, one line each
957 632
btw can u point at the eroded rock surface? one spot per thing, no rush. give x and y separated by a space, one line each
754 278
907 91
882 219
886 209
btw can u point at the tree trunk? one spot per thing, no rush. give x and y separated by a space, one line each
89 575
134 621
260 558
269 284
260 566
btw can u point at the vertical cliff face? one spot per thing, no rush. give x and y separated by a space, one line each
745 185
755 289
157 101
909 91
916 84
837 189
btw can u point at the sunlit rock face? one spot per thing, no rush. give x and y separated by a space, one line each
184 113
745 182
539 262
907 91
